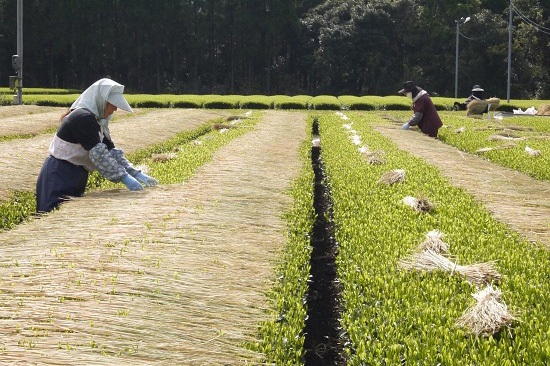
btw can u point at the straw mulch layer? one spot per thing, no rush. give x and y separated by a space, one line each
514 198
28 119
171 275
21 159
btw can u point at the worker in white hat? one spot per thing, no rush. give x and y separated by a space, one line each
82 144
476 94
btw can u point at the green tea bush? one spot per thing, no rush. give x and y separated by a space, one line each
291 102
350 102
397 103
51 100
256 102
16 209
325 102
29 91
221 101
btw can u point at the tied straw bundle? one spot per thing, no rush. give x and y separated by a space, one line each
375 157
434 242
429 260
392 177
420 204
532 152
488 315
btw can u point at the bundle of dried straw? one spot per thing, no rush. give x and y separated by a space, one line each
163 157
488 315
420 204
532 152
392 177
434 242
376 157
429 260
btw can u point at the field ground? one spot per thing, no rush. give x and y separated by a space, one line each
170 275
176 274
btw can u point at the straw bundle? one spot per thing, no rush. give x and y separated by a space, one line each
434 242
356 139
235 118
221 126
163 157
504 136
544 110
342 115
532 152
316 141
420 204
482 106
392 177
519 128
488 315
429 260
501 147
375 157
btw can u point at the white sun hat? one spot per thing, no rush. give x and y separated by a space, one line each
117 99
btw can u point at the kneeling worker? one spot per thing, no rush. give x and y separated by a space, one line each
425 115
83 144
476 94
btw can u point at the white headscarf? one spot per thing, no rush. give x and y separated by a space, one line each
96 97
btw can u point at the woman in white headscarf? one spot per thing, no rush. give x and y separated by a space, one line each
82 144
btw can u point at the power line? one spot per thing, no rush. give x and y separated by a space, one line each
474 39
529 21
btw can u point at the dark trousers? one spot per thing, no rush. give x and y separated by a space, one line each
57 180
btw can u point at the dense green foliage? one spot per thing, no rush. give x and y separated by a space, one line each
289 47
393 316
320 102
16 209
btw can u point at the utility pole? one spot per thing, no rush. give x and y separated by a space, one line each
509 54
458 23
17 60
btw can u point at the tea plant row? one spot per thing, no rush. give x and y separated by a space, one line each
520 143
65 97
393 316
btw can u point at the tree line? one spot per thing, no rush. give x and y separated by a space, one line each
313 47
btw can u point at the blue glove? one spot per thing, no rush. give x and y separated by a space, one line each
131 183
406 126
147 180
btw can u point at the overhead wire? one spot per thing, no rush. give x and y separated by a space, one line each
529 21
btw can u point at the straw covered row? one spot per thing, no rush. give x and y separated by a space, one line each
170 275
23 158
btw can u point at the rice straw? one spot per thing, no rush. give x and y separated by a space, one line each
419 204
434 242
488 315
429 260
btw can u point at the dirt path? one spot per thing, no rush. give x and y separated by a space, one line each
173 275
21 159
513 198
